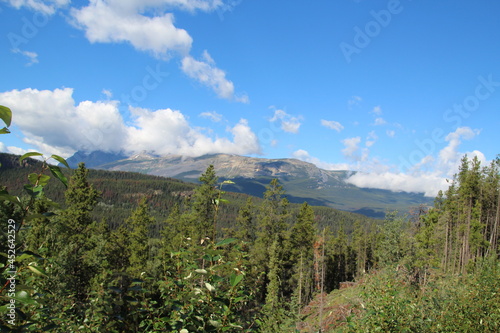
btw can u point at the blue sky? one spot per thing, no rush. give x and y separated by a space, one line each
398 90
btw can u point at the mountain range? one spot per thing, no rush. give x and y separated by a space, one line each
301 180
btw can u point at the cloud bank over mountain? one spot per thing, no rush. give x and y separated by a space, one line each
52 122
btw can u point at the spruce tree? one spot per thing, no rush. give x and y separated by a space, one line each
139 225
272 223
74 267
246 222
299 256
205 199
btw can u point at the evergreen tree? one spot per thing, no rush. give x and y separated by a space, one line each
392 245
74 266
246 228
204 204
173 231
139 225
299 271
360 241
273 214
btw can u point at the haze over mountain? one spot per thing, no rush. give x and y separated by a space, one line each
302 181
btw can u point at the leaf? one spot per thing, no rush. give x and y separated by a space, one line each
33 191
24 297
201 271
4 130
33 177
32 254
60 160
36 271
30 154
4 195
6 115
235 279
23 256
235 326
56 171
209 287
214 323
43 180
226 241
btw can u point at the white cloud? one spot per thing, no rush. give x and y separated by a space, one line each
429 184
351 147
107 93
32 56
429 175
244 139
289 123
167 131
303 155
377 110
449 156
334 125
354 101
51 119
371 139
186 5
391 133
205 72
18 151
48 7
147 26
52 123
109 22
13 150
125 21
380 121
212 115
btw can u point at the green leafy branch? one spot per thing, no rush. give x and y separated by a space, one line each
217 203
37 181
6 116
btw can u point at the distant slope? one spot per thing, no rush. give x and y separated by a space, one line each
94 159
302 181
121 191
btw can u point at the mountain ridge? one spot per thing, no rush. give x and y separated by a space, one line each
302 181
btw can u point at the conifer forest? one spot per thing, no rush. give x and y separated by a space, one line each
98 251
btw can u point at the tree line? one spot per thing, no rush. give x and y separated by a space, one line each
187 271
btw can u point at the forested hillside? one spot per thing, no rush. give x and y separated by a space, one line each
173 264
301 180
122 191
